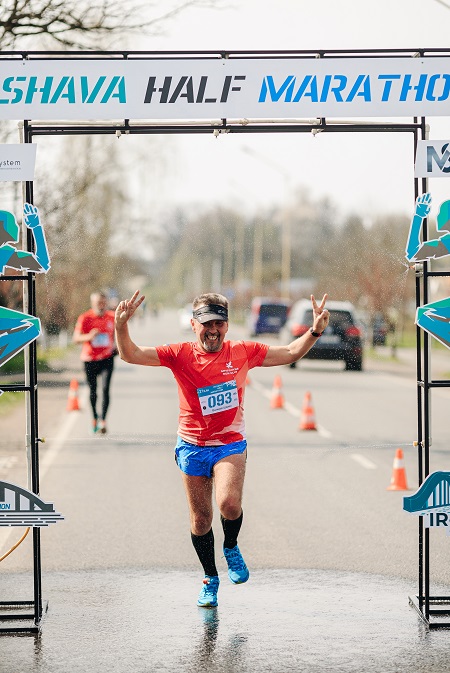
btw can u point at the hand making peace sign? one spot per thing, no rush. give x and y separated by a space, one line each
321 314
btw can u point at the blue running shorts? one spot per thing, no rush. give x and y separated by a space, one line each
198 461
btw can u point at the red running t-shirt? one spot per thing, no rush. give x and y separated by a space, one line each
211 388
102 345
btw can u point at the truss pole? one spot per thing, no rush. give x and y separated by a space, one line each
33 410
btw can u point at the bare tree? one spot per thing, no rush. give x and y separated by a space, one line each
82 205
366 265
79 25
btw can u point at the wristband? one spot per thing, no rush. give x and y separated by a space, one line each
315 334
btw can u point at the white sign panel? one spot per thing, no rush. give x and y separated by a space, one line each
432 159
17 162
213 88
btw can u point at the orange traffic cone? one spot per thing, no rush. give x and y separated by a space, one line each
277 400
307 417
398 479
72 402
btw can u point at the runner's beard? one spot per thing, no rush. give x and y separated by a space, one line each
212 346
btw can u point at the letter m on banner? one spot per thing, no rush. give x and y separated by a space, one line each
432 159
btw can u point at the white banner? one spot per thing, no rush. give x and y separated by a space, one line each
212 89
17 162
432 159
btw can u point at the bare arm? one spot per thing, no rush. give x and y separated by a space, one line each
285 355
128 350
80 338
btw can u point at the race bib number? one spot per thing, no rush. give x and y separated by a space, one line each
221 397
101 340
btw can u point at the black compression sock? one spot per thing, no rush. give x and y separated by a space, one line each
204 546
231 528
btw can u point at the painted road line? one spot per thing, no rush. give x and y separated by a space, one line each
64 431
6 463
362 460
323 432
50 456
290 408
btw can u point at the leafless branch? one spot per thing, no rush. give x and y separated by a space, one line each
74 24
444 4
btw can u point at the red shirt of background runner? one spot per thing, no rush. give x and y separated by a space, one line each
102 345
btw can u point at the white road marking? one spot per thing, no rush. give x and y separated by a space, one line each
57 443
362 460
290 408
50 456
323 432
7 462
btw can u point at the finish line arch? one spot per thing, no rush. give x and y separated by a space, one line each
220 92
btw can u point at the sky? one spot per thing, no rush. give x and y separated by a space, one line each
367 174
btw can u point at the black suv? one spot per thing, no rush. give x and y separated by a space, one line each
342 339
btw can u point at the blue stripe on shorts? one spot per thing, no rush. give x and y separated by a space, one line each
198 461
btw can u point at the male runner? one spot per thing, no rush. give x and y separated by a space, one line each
95 330
211 446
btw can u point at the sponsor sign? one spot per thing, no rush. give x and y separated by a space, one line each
432 159
432 501
21 507
213 88
17 162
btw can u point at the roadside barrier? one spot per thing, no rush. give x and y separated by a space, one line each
277 400
72 402
307 416
398 479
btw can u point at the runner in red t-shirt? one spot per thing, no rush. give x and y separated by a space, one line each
211 375
95 330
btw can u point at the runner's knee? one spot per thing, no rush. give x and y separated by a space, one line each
230 507
200 523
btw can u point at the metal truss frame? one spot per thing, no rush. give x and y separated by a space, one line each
433 609
416 126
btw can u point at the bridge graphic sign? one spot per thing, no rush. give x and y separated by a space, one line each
432 501
20 507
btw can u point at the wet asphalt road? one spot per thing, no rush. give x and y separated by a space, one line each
333 558
306 621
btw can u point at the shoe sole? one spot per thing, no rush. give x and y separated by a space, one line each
239 581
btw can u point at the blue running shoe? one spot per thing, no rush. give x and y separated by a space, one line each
207 597
237 570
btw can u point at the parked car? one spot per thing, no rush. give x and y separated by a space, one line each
342 339
380 331
184 317
267 315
